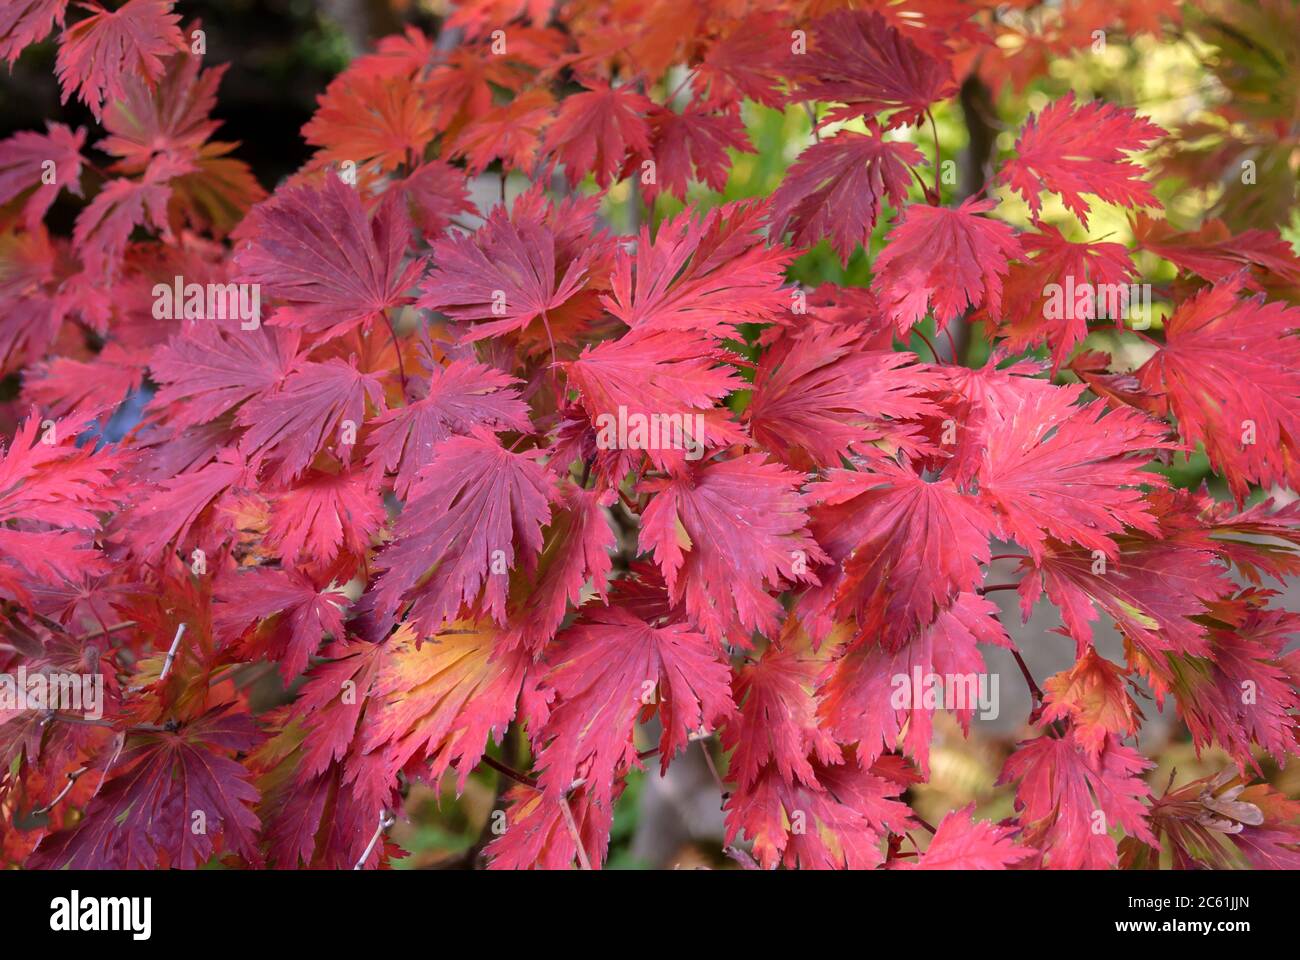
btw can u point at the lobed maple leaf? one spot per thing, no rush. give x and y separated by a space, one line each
607 669
727 535
1069 798
97 54
835 189
1152 590
325 519
1092 695
862 700
208 372
305 614
438 698
509 273
903 550
861 60
1029 301
594 131
1241 403
700 274
475 512
309 413
1052 468
24 22
371 120
776 722
49 162
316 249
944 260
819 394
686 146
1071 149
961 842
162 783
839 825
459 397
576 551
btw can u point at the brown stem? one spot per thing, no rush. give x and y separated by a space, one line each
509 771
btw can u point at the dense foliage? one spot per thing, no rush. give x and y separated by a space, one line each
624 470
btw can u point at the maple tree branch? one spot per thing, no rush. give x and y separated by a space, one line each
171 653
926 340
105 630
993 588
397 347
1029 677
509 771
386 820
72 782
938 158
106 724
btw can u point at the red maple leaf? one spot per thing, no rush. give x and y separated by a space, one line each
1070 150
1150 588
23 22
144 817
836 186
310 413
945 260
776 723
439 699
374 121
1242 403
97 54
903 550
861 60
863 700
819 394
316 249
961 842
838 825
607 669
686 146
474 513
1069 799
304 614
1093 696
459 397
699 274
172 116
104 226
727 535
1053 468
25 163
595 130
510 272
207 372
1034 312
577 551
326 517
510 133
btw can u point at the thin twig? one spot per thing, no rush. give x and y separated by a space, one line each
509 771
171 654
385 821
72 780
1029 677
104 631
583 862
